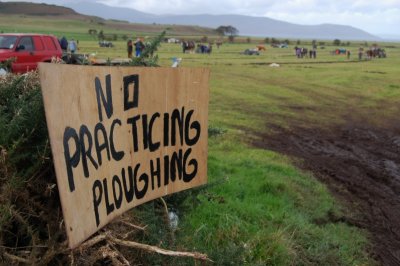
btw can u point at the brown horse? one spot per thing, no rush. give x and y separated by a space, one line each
188 46
260 47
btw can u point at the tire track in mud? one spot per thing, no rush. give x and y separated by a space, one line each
360 163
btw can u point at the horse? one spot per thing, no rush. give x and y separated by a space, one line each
376 52
260 47
188 46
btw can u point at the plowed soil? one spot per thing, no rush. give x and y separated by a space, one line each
360 164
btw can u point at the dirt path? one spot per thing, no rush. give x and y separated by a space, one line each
361 166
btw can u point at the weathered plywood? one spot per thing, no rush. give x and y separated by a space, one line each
122 136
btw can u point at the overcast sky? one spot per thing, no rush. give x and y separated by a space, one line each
381 17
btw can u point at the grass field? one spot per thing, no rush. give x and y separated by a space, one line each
262 210
259 209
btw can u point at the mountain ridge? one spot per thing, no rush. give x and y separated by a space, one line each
35 9
247 25
52 12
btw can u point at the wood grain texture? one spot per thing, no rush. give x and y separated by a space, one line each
130 154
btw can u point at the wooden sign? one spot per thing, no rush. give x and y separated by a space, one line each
121 136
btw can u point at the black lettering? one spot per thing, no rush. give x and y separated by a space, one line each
132 121
127 81
196 126
71 162
144 178
86 153
109 207
128 192
176 164
166 170
153 146
187 177
116 183
97 199
177 119
155 173
166 129
107 103
145 132
117 155
99 128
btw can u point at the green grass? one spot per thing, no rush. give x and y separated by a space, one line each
265 211
259 209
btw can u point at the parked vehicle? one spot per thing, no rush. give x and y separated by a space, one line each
106 44
279 45
253 51
27 50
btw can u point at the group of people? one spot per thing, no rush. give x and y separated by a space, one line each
190 47
204 49
72 46
68 46
139 46
301 52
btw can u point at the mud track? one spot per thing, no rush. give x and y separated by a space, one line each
361 166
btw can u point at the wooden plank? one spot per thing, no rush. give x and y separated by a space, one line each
122 136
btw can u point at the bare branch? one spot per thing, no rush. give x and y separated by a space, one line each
106 252
93 241
16 258
124 260
195 255
134 226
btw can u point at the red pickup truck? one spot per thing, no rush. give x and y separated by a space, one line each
28 50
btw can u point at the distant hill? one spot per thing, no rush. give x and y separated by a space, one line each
107 12
27 8
53 12
195 24
267 27
247 25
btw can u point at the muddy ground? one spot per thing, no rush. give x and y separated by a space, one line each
360 164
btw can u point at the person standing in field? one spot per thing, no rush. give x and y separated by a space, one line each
130 48
72 46
138 47
360 53
64 44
